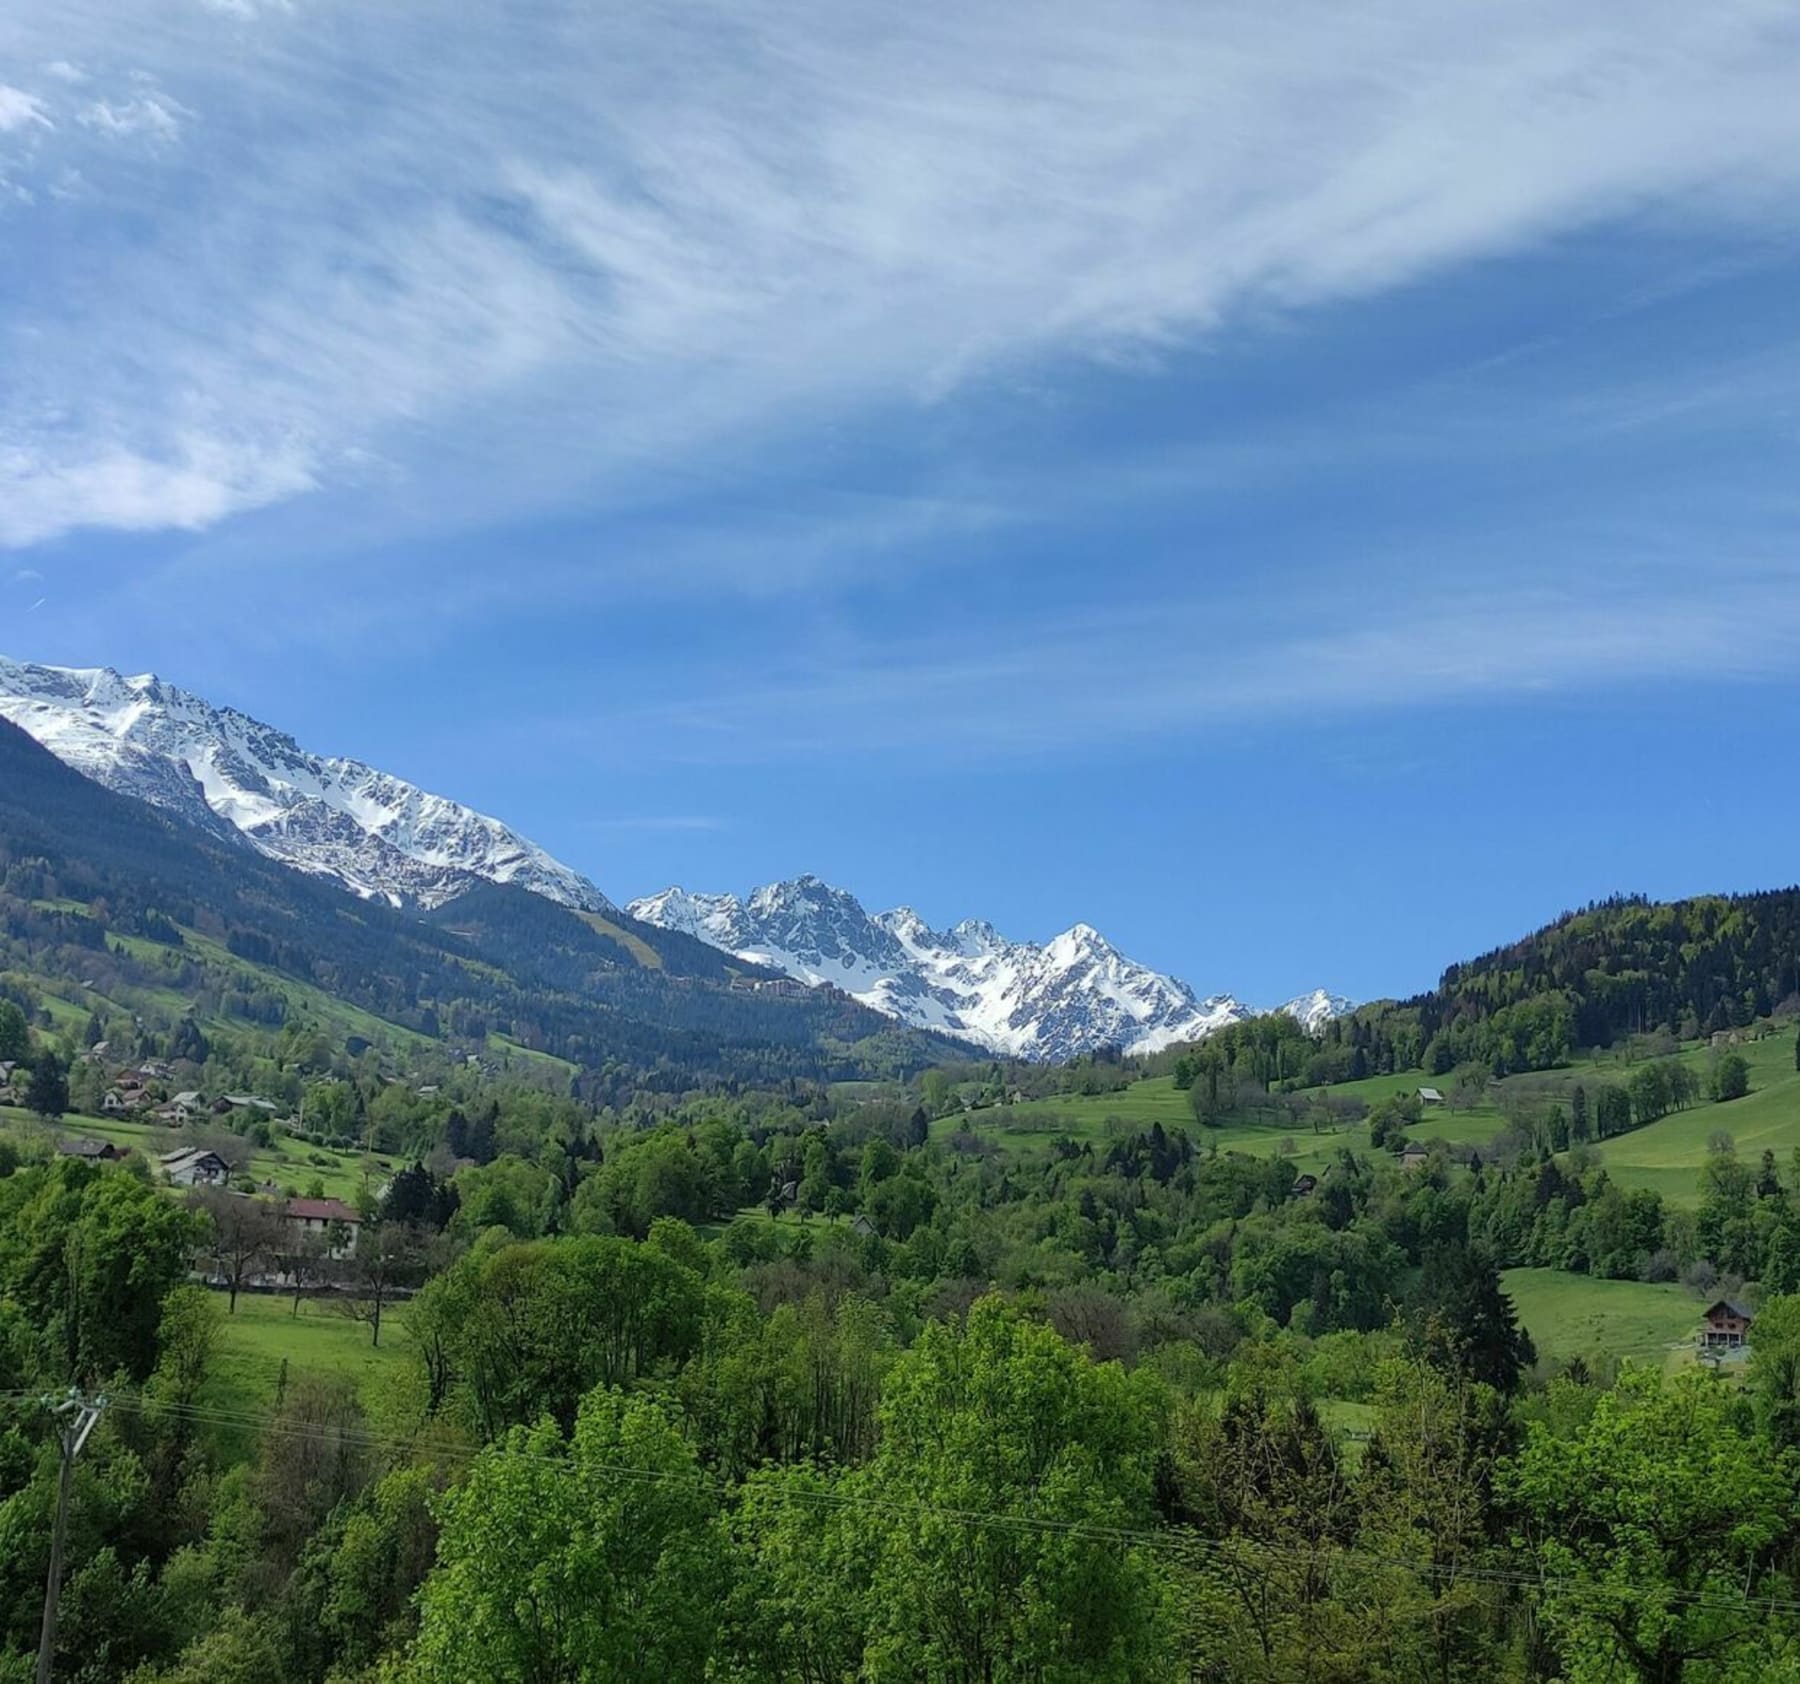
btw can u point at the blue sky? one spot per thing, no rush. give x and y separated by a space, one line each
1309 490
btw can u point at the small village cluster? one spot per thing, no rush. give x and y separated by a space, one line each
330 1225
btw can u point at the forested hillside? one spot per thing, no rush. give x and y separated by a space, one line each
1623 967
81 867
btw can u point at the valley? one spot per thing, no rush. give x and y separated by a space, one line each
773 1179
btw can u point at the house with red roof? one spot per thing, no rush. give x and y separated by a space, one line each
329 1221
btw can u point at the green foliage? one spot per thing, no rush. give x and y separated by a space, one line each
1729 1078
1003 1418
48 1091
1464 1324
15 1036
514 1332
88 1254
1657 1518
597 1558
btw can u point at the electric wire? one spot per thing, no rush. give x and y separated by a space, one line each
1181 1542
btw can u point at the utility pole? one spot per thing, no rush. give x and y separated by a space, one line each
78 1413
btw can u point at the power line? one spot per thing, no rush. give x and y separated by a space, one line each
1181 1542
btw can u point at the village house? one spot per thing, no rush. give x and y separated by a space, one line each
183 1108
329 1220
243 1102
1430 1096
1413 1157
195 1166
96 1151
1725 1326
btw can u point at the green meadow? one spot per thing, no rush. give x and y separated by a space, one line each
265 1332
1578 1316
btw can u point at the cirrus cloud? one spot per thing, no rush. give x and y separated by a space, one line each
364 240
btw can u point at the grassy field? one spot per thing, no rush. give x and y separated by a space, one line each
1574 1315
1036 1124
1666 1156
321 1340
265 1350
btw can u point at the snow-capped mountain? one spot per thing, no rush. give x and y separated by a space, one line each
1072 994
378 835
1317 1009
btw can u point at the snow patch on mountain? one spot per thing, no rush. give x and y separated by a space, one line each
1067 996
378 835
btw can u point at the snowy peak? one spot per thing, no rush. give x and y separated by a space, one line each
1071 995
377 835
1317 1009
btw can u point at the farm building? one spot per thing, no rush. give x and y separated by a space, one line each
1725 1326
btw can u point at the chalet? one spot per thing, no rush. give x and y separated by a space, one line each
1430 1096
114 1103
330 1220
1413 1157
155 1070
96 1151
195 1166
862 1227
1725 1326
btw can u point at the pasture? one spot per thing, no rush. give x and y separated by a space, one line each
1578 1316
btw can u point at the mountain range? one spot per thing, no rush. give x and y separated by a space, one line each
1050 1001
385 839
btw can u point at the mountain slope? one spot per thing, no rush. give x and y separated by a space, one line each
80 865
228 774
1069 996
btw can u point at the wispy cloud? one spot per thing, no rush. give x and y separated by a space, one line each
578 244
19 109
151 115
1065 686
